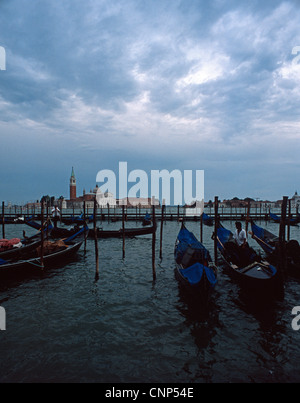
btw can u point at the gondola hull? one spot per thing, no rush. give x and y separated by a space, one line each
245 266
128 232
33 265
257 277
270 245
194 269
202 288
20 253
59 232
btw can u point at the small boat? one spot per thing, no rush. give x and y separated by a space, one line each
268 241
277 219
194 267
33 224
128 232
245 265
20 250
270 245
55 253
147 220
77 220
71 220
77 230
207 220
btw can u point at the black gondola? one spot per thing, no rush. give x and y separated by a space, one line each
270 244
33 224
60 232
79 220
207 220
19 252
245 265
291 221
128 232
147 220
65 250
194 267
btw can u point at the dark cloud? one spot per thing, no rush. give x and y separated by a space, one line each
177 82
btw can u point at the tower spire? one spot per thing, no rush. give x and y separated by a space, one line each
72 185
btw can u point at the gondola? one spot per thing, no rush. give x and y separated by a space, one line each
275 218
270 244
53 255
245 265
147 220
128 232
60 232
33 224
194 267
79 220
207 220
20 251
23 248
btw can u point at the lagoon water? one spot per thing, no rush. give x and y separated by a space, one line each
63 326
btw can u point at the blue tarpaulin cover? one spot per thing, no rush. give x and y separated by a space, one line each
194 274
265 236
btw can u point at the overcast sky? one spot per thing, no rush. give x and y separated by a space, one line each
161 84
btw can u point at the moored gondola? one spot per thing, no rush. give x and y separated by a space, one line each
292 221
128 232
55 254
269 242
194 267
207 220
147 220
60 232
245 265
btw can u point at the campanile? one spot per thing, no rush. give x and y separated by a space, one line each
72 186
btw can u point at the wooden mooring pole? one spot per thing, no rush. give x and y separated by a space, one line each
42 234
216 230
247 217
3 221
96 240
289 222
153 243
282 247
123 231
161 230
84 223
201 227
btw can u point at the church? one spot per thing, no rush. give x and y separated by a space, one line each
75 201
103 199
295 200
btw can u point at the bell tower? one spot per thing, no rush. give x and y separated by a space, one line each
72 186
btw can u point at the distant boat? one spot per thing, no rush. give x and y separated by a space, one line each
128 232
147 220
194 266
77 220
277 219
207 220
245 265
76 231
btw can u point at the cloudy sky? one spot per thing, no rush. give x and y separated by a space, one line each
161 84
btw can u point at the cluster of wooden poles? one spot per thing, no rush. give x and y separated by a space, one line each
123 237
284 221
